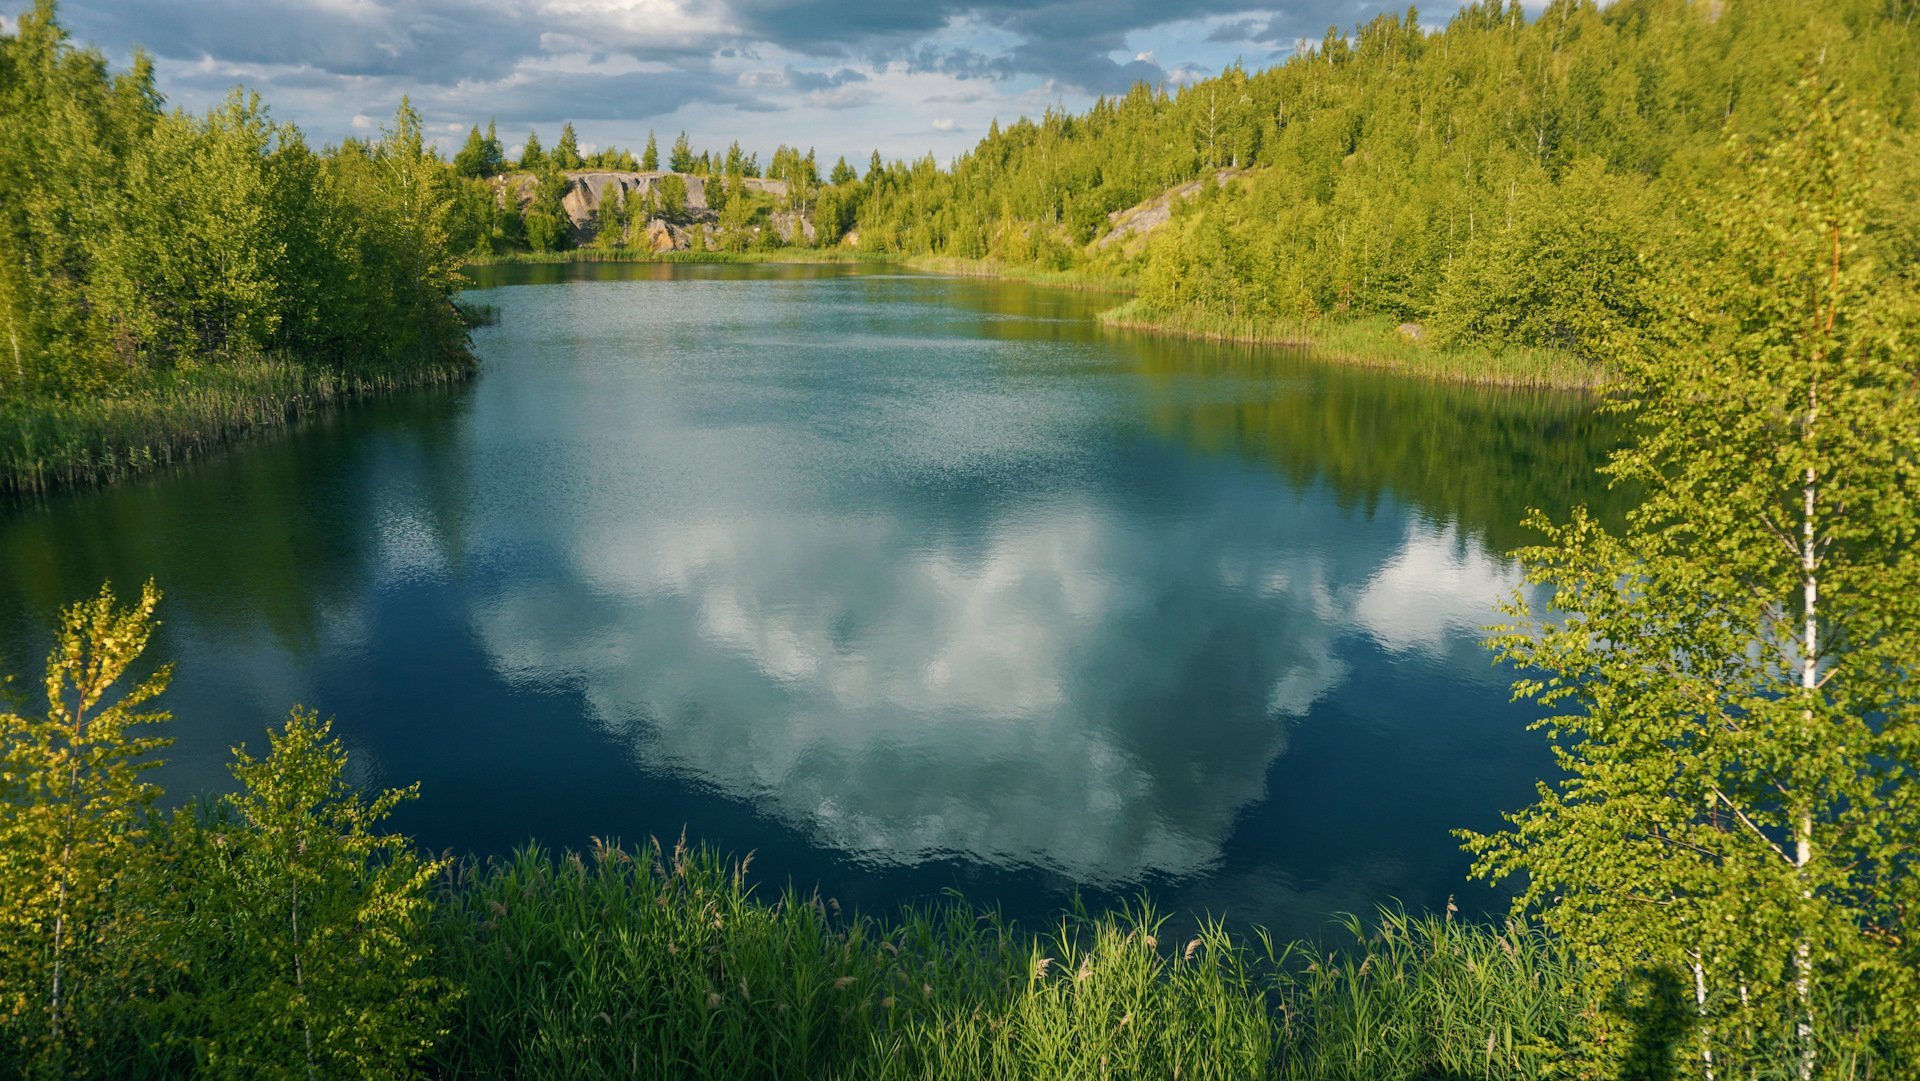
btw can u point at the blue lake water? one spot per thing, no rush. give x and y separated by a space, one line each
904 583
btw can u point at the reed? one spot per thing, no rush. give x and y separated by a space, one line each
475 313
663 963
647 255
1372 341
1086 280
171 417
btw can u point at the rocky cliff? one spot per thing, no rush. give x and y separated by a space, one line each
693 228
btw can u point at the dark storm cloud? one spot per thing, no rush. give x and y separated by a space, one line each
467 46
433 41
822 80
1070 41
632 96
956 62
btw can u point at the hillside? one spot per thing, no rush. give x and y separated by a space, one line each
1508 182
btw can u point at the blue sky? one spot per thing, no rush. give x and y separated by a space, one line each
902 76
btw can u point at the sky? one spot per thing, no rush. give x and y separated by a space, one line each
905 77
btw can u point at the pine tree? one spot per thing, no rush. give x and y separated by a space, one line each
471 161
650 158
673 196
566 152
681 160
494 160
532 158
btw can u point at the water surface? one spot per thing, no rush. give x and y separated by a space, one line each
904 582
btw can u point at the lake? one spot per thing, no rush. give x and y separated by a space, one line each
904 583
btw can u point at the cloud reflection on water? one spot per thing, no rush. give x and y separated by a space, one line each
1055 687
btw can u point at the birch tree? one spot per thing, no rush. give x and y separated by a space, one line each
74 807
1736 828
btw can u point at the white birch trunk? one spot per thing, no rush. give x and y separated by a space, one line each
1809 683
1700 1007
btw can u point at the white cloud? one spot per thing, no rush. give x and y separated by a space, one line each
1435 589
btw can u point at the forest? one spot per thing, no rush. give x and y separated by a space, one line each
1416 198
1502 182
1709 202
170 282
1498 187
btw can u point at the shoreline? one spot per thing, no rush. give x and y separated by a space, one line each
59 444
1375 342
1363 341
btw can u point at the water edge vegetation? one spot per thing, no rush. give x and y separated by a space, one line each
1722 885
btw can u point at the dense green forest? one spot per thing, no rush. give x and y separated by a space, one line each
170 281
1713 200
1505 183
1502 181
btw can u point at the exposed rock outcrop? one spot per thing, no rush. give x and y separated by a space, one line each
1139 220
588 189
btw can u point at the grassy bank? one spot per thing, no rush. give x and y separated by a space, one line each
281 930
169 417
1088 280
1368 341
664 964
645 255
1375 342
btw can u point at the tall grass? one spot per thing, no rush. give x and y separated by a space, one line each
175 416
663 963
648 255
475 313
1373 341
1079 278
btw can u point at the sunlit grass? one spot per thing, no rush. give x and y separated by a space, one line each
1373 341
1078 278
647 255
664 963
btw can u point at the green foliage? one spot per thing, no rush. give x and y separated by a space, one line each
610 217
73 811
662 963
1497 180
566 152
673 197
189 271
1554 273
1732 851
650 158
548 226
532 158
307 956
737 213
142 249
681 159
481 156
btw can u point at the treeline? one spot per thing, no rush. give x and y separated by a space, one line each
167 280
1497 181
505 206
1503 183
